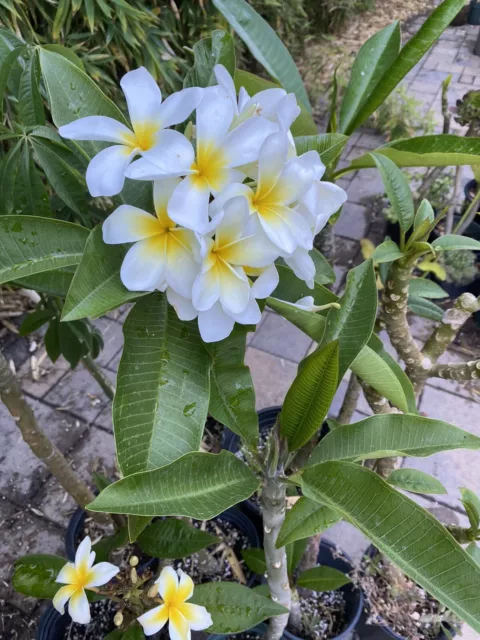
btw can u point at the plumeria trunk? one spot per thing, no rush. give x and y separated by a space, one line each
350 400
273 510
379 404
12 397
461 371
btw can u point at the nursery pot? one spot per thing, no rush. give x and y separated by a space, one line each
383 632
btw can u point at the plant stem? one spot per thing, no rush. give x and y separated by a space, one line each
468 215
379 404
350 400
96 372
12 397
273 512
453 201
461 371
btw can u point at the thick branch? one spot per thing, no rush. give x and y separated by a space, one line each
350 400
12 397
461 371
379 404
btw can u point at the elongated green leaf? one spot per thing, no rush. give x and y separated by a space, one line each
232 396
33 199
415 481
9 169
294 552
304 125
30 105
233 607
137 524
305 519
372 61
474 552
388 251
134 632
392 434
163 388
352 324
423 218
35 575
311 323
455 243
324 273
472 507
376 372
410 536
55 282
5 70
408 57
308 399
66 52
328 145
217 49
30 245
96 287
61 14
322 579
439 150
426 289
106 545
198 485
35 320
255 560
290 288
265 45
397 189
425 308
172 538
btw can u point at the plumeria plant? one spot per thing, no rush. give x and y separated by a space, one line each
214 197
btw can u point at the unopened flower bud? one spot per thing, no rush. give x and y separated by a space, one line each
133 561
118 619
133 575
152 592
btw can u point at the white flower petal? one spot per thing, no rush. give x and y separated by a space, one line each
183 307
234 221
197 616
232 191
277 230
177 107
167 583
234 288
225 80
101 573
266 283
250 315
307 302
214 117
62 596
67 574
185 586
154 620
82 554
287 111
297 178
162 192
96 128
142 169
243 98
144 264
242 145
266 100
181 268
302 266
188 205
129 224
143 96
78 607
206 289
91 559
323 199
215 324
271 163
105 173
178 627
172 153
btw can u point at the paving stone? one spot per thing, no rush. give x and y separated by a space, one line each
370 140
339 278
80 394
25 533
367 183
346 251
22 473
272 377
420 87
279 337
50 374
348 539
356 152
112 338
421 328
104 420
113 364
352 222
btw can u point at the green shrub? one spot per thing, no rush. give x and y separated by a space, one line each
400 117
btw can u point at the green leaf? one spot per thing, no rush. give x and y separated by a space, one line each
55 282
304 125
66 52
408 57
294 552
106 545
410 536
393 434
328 145
33 198
71 347
322 579
137 524
96 287
353 323
61 15
472 506
388 251
30 105
474 552
5 70
305 519
35 575
134 632
397 189
52 340
424 217
440 150
311 323
373 369
30 245
308 399
324 273
100 480
163 388
35 320
217 49
255 560
415 481
197 485
373 60
291 288
421 287
264 45
425 308
233 607
455 243
172 538
232 395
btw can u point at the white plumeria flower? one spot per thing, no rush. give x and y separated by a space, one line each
149 135
308 304
79 576
212 167
163 254
180 614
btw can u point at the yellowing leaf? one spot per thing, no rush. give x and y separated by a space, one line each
434 267
367 248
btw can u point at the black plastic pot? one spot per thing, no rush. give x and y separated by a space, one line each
381 632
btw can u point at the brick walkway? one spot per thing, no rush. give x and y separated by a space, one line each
73 410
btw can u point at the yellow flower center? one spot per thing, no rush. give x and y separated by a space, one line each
143 137
210 166
83 576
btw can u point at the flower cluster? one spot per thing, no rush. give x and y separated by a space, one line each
174 588
230 194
